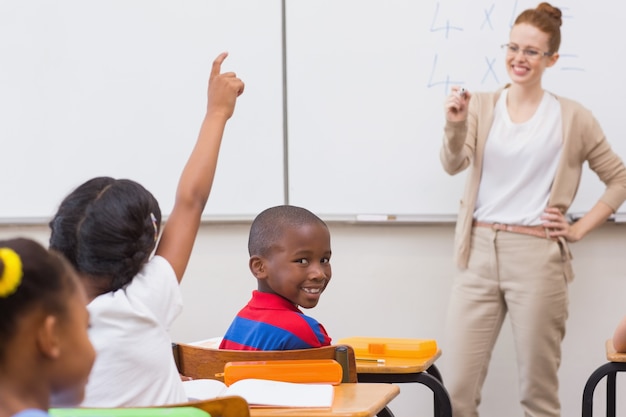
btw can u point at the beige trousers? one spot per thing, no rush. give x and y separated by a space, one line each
523 276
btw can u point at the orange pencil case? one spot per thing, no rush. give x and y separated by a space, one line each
311 371
385 347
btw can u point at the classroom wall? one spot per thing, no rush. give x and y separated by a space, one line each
394 281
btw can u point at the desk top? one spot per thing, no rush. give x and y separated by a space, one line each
351 400
397 365
611 354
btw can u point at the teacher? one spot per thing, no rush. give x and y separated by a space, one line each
525 148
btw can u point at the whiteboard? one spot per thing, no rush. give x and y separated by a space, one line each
118 88
366 82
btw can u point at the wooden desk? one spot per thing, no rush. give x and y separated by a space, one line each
401 370
351 400
397 365
617 363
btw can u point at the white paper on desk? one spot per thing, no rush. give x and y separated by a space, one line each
261 392
203 389
213 342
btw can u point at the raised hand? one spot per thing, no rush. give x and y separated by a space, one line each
223 89
456 104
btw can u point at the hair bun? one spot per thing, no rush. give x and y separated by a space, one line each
553 12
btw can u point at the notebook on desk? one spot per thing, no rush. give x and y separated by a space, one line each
263 393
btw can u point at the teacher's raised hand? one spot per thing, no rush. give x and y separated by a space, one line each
456 104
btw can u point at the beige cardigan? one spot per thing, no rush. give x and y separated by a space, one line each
464 145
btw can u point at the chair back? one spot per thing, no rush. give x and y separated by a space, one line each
201 362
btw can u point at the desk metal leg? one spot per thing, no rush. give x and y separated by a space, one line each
432 370
442 405
385 412
610 394
609 370
435 372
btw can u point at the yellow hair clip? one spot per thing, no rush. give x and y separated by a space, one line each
11 277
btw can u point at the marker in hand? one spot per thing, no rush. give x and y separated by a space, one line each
456 103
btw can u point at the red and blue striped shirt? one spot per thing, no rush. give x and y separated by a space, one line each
270 322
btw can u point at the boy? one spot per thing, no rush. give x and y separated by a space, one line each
290 253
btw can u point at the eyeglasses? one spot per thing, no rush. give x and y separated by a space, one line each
530 53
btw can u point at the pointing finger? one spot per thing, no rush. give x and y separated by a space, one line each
217 64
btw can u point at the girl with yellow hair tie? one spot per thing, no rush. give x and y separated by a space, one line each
45 352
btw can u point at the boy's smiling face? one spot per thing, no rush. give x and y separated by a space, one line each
298 265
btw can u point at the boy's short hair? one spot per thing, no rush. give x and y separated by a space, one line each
268 227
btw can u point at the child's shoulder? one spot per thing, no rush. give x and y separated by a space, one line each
153 292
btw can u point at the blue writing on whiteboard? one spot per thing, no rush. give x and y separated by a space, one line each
490 70
488 17
446 83
446 27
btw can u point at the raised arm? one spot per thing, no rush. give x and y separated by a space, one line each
454 153
196 179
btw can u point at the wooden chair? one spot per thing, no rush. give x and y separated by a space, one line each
202 362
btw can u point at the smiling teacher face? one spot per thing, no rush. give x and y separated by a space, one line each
523 68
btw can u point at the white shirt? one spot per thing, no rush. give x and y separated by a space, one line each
130 332
520 163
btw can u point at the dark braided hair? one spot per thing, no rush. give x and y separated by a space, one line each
107 228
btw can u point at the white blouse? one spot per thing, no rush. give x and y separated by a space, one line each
520 163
